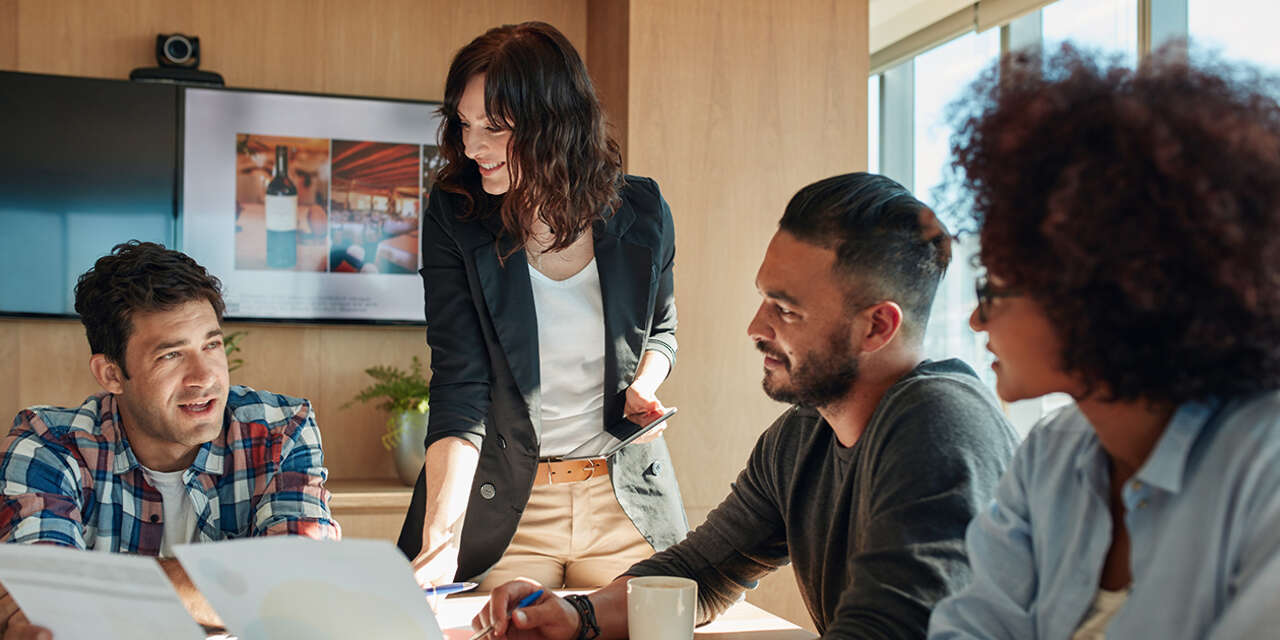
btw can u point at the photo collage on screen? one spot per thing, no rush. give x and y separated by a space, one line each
337 206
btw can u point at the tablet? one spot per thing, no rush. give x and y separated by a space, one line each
617 436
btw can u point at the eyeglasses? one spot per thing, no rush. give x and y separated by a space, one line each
988 293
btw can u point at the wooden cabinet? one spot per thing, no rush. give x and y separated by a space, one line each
369 508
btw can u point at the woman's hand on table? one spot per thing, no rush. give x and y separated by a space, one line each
435 567
449 466
550 618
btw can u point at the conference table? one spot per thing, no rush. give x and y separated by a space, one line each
743 621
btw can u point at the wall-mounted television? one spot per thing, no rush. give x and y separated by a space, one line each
86 164
308 206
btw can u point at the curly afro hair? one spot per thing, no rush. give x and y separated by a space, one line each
1140 208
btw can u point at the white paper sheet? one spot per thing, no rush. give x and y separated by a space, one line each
92 595
284 587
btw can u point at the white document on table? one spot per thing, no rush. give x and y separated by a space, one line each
92 595
282 587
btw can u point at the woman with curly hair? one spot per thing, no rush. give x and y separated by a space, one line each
1130 229
551 317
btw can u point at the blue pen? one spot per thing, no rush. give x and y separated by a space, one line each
524 602
447 589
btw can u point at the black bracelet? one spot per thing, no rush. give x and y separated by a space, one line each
589 630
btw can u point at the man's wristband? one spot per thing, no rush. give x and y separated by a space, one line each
588 630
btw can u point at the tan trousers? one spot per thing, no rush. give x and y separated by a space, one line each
571 535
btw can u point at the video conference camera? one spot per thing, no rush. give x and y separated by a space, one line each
178 55
178 50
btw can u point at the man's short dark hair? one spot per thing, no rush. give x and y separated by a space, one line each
138 276
888 244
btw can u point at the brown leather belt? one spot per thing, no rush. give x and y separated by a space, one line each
561 471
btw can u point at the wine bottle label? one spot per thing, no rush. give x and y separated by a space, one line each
282 213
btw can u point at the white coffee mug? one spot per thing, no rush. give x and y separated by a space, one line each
661 608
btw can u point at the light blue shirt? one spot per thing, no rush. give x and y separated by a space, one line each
1203 515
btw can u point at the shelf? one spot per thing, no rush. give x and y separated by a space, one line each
369 495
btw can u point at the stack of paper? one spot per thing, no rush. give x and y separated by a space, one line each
264 589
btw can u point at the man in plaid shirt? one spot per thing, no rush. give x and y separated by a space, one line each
169 453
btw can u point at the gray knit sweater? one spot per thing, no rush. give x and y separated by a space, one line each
876 530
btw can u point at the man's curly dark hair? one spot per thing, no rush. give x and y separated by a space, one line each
1140 208
138 276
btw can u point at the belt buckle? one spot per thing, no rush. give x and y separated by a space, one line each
547 464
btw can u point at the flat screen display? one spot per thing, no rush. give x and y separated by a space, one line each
308 207
87 164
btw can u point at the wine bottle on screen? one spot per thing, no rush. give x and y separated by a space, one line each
282 215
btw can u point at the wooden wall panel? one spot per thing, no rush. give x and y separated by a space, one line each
11 380
774 99
8 33
391 48
607 55
54 364
732 108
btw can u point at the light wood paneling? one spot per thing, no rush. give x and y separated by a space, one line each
607 57
732 108
10 384
774 99
8 33
51 364
391 48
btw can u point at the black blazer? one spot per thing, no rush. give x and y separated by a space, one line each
482 330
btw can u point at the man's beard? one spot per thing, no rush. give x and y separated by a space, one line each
822 377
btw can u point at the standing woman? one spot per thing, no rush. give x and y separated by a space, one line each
550 315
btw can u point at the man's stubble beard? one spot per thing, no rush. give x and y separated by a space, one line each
821 378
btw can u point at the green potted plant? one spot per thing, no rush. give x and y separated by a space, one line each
231 343
404 396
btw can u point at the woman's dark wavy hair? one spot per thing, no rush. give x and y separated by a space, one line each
564 167
138 277
1140 208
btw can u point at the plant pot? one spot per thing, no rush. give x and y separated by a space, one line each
408 449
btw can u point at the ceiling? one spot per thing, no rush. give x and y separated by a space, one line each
375 164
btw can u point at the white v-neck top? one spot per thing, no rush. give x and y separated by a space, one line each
571 344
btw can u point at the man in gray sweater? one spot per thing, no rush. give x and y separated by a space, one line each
868 482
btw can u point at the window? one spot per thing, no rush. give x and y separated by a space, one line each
941 76
1239 29
910 140
1109 25
873 124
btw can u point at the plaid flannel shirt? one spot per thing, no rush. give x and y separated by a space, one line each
69 477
